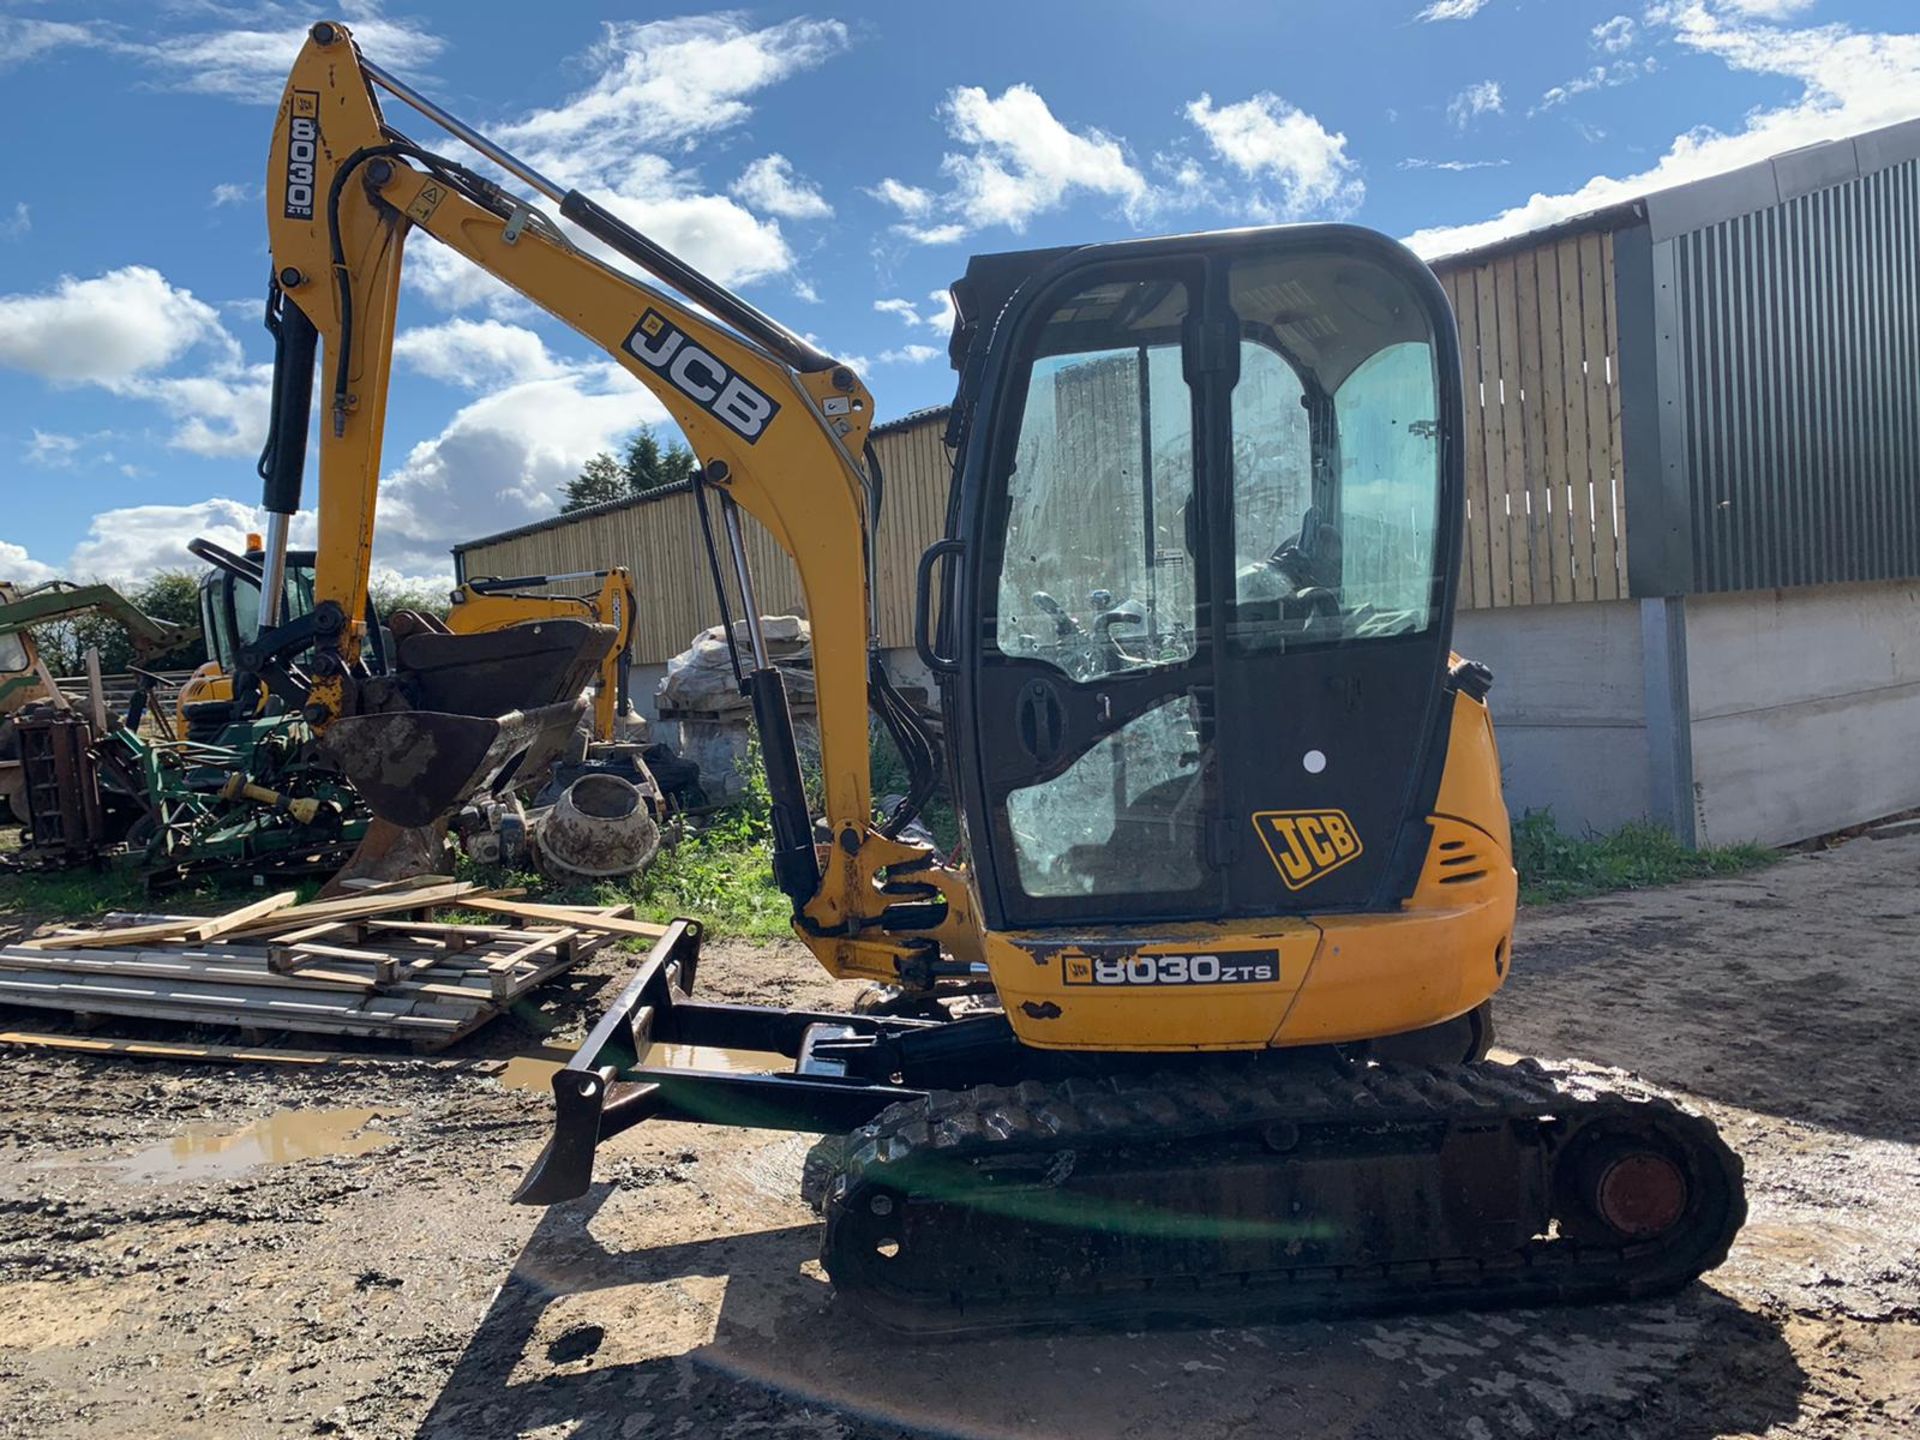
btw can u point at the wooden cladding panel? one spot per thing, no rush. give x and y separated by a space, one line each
1539 340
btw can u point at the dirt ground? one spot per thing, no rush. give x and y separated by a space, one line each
170 1265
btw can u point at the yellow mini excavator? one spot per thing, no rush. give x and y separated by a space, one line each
1235 885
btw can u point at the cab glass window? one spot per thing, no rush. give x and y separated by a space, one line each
1095 573
1336 456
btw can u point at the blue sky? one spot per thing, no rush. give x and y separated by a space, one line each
838 163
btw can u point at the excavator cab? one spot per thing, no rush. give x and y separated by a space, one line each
1201 610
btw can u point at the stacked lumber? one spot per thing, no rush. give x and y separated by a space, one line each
382 962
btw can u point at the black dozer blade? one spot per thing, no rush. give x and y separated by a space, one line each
485 709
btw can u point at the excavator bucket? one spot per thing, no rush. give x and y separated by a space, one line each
414 766
482 710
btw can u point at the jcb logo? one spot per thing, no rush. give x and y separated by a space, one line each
1306 844
658 345
303 149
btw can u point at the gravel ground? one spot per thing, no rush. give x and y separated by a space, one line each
201 1251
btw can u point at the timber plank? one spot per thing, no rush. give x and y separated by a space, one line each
1618 491
288 958
1553 416
171 927
580 915
1526 298
360 907
169 965
1512 430
1580 477
1492 372
1593 306
228 1054
1479 567
236 1004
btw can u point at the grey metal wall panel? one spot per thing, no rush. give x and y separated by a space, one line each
1796 386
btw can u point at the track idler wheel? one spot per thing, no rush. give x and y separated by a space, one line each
1616 1186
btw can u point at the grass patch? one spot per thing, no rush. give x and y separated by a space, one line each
1554 866
710 877
720 874
87 894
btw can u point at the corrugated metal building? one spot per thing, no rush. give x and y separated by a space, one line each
1692 547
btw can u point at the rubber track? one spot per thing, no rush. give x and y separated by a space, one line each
1203 1111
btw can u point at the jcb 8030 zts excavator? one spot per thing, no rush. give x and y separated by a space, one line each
1236 865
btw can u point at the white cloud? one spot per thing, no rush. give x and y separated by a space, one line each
135 541
504 460
20 568
1452 10
53 450
944 234
120 331
1600 77
1025 161
17 224
1766 9
910 355
713 233
501 460
910 200
939 319
1615 36
221 413
476 354
1275 143
230 194
1470 104
22 41
769 184
1850 81
670 82
250 61
104 330
1414 162
1021 161
450 281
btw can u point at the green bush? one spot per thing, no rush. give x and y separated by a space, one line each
1555 866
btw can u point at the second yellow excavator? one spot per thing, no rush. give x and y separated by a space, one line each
1235 886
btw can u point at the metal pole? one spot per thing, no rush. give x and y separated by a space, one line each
736 542
273 571
507 161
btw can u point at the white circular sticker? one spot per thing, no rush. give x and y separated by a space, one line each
1314 761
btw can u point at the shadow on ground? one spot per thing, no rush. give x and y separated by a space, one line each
760 1345
1789 993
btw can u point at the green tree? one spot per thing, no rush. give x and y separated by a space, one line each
643 465
649 465
174 595
601 479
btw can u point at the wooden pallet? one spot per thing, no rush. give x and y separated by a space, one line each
380 963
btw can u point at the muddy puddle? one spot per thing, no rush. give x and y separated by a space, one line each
214 1152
